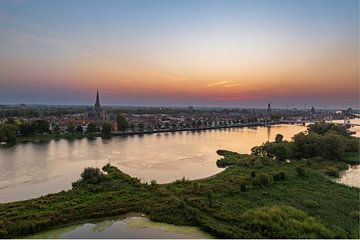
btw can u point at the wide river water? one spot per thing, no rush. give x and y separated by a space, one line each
29 170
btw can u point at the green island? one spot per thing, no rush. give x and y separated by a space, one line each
283 189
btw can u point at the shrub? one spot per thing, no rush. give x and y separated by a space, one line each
300 171
243 187
261 180
274 150
332 172
253 174
310 203
210 197
92 175
355 215
279 138
352 144
153 183
195 187
279 176
283 222
324 127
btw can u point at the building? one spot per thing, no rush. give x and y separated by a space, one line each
96 113
97 106
269 108
312 110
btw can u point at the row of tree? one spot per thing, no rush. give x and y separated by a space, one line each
16 126
325 140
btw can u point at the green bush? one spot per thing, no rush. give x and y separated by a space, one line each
90 176
310 203
355 215
153 184
280 176
329 145
352 144
283 222
243 187
300 171
261 180
332 172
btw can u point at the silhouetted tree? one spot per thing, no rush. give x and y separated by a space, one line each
91 128
7 132
279 138
106 128
122 123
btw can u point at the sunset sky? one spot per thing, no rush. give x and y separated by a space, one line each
200 52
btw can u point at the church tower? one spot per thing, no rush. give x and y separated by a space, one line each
97 103
269 108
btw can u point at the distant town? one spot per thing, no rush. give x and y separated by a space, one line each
80 120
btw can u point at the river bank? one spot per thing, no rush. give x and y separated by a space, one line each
48 137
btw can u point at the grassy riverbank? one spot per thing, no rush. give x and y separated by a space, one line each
251 198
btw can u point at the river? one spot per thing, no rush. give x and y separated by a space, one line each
29 170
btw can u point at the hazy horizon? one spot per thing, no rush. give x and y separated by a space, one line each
201 53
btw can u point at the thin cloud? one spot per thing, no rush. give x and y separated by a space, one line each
217 83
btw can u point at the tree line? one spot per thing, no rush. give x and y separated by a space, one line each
325 140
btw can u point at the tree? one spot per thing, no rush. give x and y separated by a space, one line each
7 132
56 129
106 128
324 127
141 126
333 146
279 138
90 175
79 129
122 123
306 146
40 126
91 128
71 129
329 146
26 129
14 121
278 151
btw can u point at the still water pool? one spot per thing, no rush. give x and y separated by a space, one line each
123 227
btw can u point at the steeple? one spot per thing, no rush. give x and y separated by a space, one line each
97 103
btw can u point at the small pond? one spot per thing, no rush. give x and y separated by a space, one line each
129 226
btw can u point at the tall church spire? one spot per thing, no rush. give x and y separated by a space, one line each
97 103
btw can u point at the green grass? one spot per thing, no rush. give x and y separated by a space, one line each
310 205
